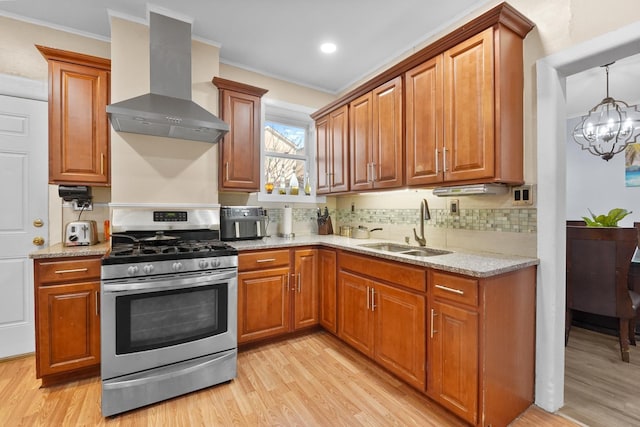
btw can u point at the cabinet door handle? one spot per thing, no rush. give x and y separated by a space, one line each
368 305
97 303
433 315
452 290
444 160
226 171
437 165
374 176
101 163
73 270
265 260
288 282
298 282
373 299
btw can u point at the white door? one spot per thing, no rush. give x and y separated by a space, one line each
23 216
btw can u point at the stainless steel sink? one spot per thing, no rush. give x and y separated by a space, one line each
405 249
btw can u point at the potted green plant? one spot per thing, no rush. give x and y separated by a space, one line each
609 220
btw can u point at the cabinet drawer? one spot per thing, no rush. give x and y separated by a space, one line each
67 270
263 259
392 272
454 288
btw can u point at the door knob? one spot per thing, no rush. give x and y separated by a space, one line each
38 241
38 222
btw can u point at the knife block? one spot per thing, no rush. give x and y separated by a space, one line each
325 226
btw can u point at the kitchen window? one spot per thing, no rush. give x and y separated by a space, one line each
287 150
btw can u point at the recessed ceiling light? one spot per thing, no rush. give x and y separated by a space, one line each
328 47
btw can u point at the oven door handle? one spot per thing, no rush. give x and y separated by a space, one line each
175 282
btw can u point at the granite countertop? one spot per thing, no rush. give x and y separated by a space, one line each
473 264
58 250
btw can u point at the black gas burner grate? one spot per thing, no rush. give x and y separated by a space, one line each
133 249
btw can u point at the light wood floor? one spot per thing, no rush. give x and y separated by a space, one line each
600 389
313 380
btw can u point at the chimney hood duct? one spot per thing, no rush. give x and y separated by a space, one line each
168 110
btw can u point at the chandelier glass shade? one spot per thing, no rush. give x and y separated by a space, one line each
608 127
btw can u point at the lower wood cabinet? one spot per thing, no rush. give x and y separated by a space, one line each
306 296
482 345
277 293
327 269
468 343
264 305
383 321
67 317
453 358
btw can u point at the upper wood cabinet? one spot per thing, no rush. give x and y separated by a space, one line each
424 122
464 113
463 110
239 167
375 138
332 152
469 116
79 89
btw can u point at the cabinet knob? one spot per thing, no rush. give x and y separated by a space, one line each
38 241
38 222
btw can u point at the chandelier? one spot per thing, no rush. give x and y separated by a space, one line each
609 127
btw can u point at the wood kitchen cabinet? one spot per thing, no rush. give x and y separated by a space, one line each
375 138
67 318
461 108
79 135
277 293
332 152
239 167
464 112
306 293
481 345
327 265
264 303
381 319
424 122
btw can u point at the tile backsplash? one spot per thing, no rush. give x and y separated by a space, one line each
484 223
513 220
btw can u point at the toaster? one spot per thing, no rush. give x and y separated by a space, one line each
81 233
243 222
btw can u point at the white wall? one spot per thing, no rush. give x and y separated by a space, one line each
593 183
552 201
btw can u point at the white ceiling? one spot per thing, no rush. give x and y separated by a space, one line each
278 38
281 38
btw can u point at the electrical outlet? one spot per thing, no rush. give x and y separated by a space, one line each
522 195
454 207
88 206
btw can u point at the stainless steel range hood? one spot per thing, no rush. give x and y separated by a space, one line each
168 110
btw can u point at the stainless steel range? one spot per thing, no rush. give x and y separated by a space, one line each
168 307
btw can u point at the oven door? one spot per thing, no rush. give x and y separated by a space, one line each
151 322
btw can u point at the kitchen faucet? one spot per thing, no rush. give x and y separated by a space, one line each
424 215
